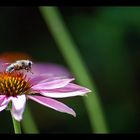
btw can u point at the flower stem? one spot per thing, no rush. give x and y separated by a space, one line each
17 127
28 123
67 46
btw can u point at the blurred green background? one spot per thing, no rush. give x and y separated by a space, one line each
108 39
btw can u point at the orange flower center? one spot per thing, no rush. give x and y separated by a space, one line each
13 84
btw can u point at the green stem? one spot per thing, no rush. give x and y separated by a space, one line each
28 123
17 127
67 46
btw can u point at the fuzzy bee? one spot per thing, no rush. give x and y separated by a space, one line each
19 65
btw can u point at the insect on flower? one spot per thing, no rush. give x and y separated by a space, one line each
17 87
19 65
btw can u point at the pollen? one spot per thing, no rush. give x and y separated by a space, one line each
13 84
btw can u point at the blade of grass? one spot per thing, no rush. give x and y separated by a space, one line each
67 46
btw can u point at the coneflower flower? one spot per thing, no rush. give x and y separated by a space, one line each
17 87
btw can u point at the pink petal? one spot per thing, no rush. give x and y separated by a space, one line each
50 68
2 97
3 107
18 105
67 91
53 82
56 105
1 62
38 78
3 102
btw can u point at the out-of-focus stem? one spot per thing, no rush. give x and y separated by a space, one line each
67 46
